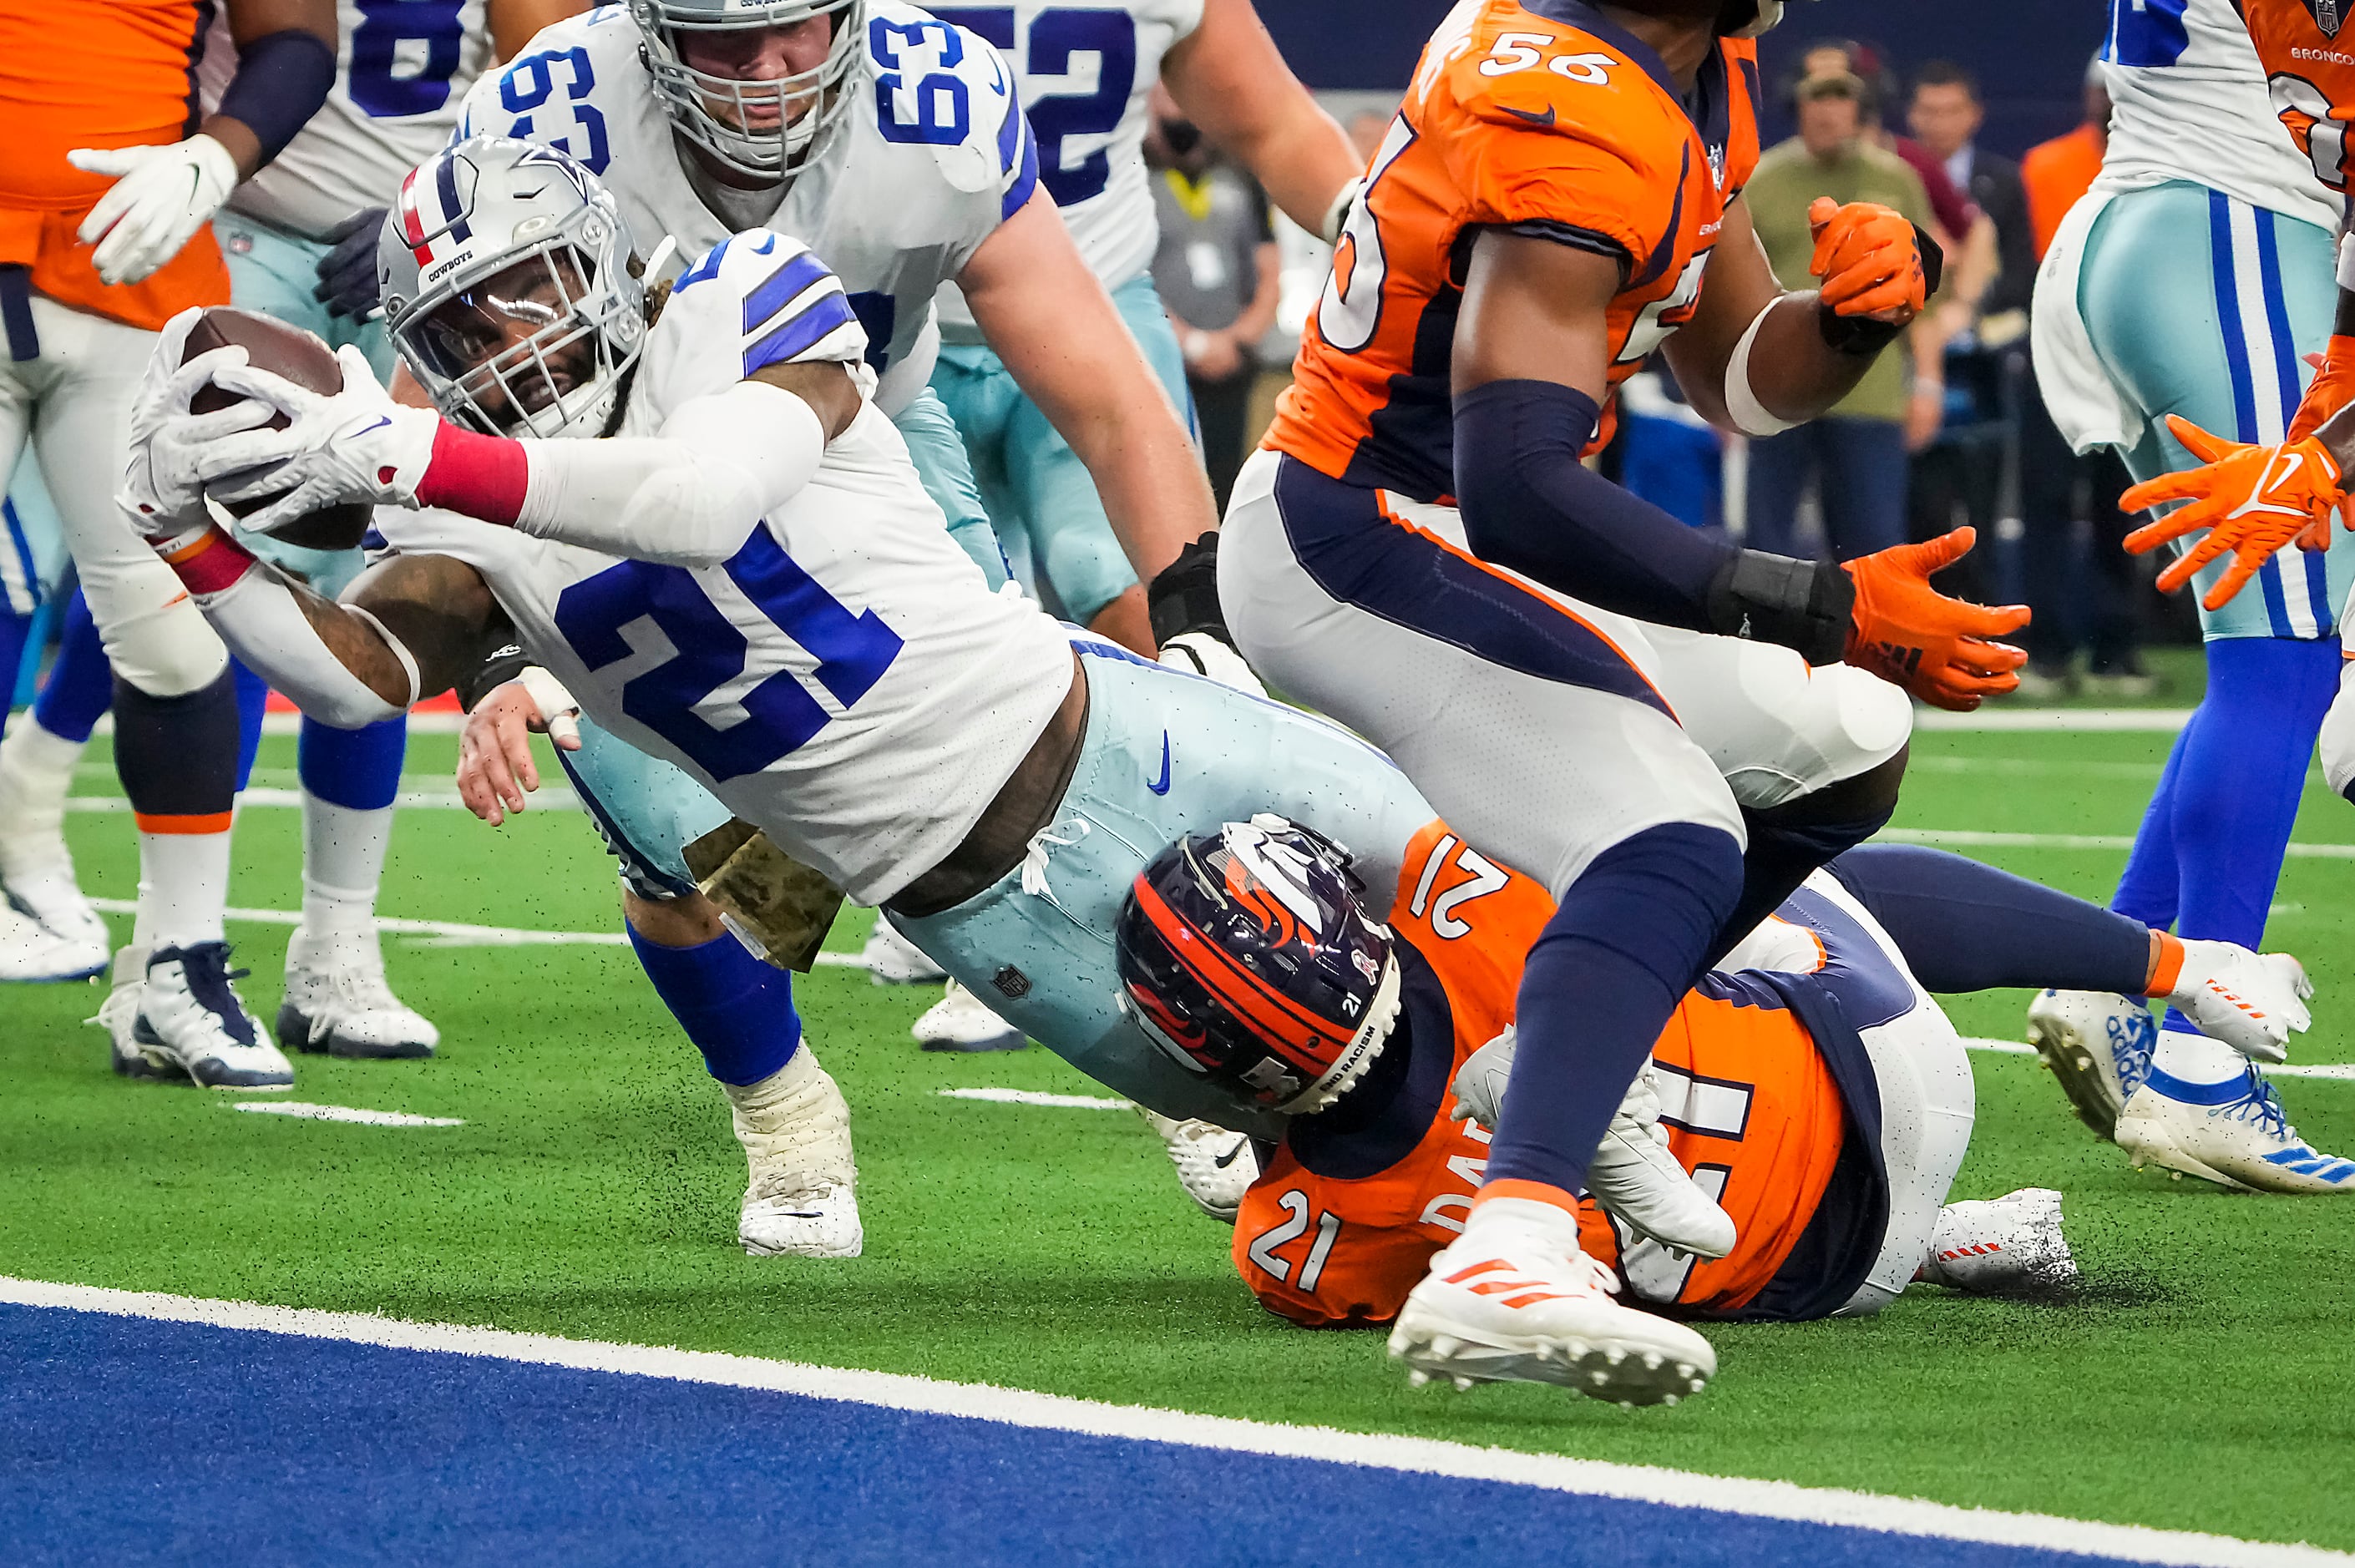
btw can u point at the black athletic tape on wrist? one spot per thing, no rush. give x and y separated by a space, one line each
503 665
1803 605
1184 595
1864 337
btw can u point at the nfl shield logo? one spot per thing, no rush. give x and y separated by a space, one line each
2325 15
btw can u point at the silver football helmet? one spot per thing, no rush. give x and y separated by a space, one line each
509 291
766 128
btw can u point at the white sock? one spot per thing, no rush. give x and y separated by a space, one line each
343 865
183 888
2195 1058
36 771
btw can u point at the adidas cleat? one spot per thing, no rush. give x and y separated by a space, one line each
961 1020
1514 1300
2098 1044
892 959
191 1017
802 1200
2007 1246
337 1003
1216 1167
2250 1001
2234 1134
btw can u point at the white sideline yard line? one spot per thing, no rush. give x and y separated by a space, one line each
2155 720
2271 1069
1971 838
548 797
1034 1097
425 933
306 1111
1018 1407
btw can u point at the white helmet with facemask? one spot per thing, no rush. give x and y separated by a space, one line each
767 128
508 290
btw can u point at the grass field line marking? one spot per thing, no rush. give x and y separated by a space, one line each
306 1111
424 933
2027 766
2154 720
2271 1069
1970 838
1388 1451
548 797
1035 1097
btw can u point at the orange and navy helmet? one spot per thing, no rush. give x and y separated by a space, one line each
1247 956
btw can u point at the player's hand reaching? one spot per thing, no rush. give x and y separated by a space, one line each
356 445
160 197
347 282
1870 259
2332 388
1943 650
495 765
2252 500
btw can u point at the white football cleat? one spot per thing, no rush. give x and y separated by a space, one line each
31 953
2098 1044
961 1020
2250 1001
2234 1134
337 1001
1634 1177
191 1017
802 1200
119 1016
1514 1298
2007 1246
893 959
1216 1167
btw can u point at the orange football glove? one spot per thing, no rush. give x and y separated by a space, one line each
1939 648
2252 500
1868 257
2332 388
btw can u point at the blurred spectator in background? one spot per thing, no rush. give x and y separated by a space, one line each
1857 453
2057 487
1944 116
1217 271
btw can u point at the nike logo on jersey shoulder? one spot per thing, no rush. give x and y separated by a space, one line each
1161 785
1545 119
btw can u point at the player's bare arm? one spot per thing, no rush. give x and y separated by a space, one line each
250 23
1229 78
439 611
514 22
1065 345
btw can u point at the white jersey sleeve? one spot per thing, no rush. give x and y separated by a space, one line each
1085 69
2188 103
754 300
401 72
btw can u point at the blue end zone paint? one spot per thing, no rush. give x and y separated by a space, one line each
126 1439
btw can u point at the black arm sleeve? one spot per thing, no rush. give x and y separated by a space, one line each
1529 505
1967 927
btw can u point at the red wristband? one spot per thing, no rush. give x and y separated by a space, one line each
482 476
211 562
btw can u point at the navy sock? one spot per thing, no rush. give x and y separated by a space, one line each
1632 934
355 768
253 704
737 1009
177 756
1963 926
82 683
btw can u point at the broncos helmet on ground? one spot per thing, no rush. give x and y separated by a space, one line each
495 233
1247 956
690 96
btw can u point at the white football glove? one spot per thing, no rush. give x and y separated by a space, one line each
162 196
173 452
1207 655
357 445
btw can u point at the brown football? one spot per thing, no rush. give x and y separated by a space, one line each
302 359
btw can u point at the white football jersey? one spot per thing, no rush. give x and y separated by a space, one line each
401 72
932 156
1086 70
846 681
2190 104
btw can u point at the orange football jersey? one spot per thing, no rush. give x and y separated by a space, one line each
1753 1112
1535 115
96 73
2311 75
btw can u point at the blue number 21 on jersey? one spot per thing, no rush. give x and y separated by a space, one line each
780 715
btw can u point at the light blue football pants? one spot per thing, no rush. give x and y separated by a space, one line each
1033 485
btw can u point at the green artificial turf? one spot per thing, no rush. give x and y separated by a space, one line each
2201 1383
